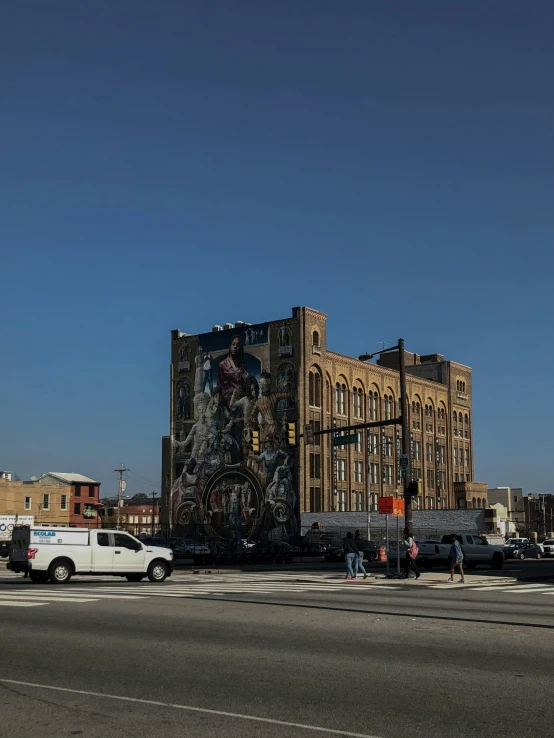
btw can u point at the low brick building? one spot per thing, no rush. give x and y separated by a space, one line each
47 503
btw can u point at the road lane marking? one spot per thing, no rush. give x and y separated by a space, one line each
190 708
5 603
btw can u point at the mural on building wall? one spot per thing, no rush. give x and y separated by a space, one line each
222 489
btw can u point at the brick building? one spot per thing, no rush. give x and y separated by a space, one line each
136 519
47 503
82 495
242 378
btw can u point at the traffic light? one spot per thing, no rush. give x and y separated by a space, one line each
414 488
255 442
291 433
309 433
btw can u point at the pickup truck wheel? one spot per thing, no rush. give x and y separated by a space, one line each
38 577
157 571
371 557
497 561
287 558
60 571
134 577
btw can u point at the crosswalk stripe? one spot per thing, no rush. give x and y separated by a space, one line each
76 596
50 598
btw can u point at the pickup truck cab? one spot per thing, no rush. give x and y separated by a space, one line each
477 550
57 553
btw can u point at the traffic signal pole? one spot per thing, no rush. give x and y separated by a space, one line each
408 517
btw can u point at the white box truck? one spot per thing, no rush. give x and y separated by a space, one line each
57 553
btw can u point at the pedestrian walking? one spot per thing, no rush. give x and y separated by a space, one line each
456 559
411 555
350 555
359 561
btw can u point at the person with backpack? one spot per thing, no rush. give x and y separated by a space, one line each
411 555
350 555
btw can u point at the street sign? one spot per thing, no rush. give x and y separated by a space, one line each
391 506
345 440
404 462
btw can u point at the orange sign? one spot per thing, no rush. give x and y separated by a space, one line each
391 506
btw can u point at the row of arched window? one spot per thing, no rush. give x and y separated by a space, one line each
388 410
459 418
460 385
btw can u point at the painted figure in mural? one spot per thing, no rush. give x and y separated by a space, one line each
249 419
200 436
266 405
272 456
185 486
218 417
199 371
183 401
232 375
207 373
283 498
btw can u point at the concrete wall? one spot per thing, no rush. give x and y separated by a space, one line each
430 523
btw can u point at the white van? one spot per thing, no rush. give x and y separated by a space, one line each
57 553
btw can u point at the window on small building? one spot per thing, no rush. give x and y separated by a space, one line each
315 338
63 502
46 502
91 491
77 490
77 508
27 503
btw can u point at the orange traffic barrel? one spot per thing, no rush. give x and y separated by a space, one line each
381 554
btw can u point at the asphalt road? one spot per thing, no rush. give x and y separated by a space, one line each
370 661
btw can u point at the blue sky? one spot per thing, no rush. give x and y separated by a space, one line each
179 164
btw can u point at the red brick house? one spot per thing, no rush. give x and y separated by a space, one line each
83 496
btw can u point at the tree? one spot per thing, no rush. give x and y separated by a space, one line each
139 499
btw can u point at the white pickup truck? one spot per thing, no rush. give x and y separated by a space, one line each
56 554
477 550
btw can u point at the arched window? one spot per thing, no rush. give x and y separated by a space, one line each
373 405
337 398
478 502
343 404
328 393
357 403
455 416
418 408
284 336
315 338
413 407
388 403
317 390
473 501
461 418
466 419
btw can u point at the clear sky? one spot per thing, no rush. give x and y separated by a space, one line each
175 164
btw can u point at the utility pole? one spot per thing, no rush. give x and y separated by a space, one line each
122 469
153 510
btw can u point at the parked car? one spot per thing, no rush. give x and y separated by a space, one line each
189 549
523 551
270 552
548 547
